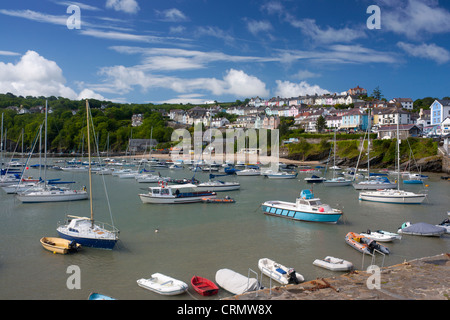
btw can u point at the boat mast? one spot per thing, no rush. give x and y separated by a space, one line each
398 152
89 159
45 143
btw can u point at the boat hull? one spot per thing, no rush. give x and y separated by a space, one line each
59 245
203 286
107 244
163 285
271 208
392 197
56 196
218 188
146 198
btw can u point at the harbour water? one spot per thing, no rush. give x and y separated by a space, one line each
200 238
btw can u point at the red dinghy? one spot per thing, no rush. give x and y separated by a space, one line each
204 286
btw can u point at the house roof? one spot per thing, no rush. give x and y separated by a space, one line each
401 127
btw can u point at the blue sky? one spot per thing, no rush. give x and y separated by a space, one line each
137 51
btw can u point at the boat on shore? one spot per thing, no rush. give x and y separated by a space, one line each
203 286
306 208
333 264
236 283
165 194
278 272
163 284
59 245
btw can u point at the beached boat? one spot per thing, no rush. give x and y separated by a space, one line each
306 208
421 229
203 286
99 296
278 272
163 284
363 244
165 194
59 245
236 283
333 264
378 236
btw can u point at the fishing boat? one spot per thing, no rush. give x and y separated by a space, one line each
333 264
236 283
99 296
378 236
59 245
163 284
278 272
84 230
363 244
203 286
315 179
165 194
421 229
306 208
218 200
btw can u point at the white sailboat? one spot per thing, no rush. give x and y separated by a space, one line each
336 181
84 230
394 195
44 192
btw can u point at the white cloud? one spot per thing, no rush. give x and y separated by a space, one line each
426 51
172 15
127 6
89 94
287 89
256 27
414 18
9 53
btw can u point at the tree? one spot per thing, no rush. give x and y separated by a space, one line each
321 124
376 94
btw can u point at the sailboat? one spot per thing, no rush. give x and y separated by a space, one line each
86 231
394 195
378 182
336 181
45 192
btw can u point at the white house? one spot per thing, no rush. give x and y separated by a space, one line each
407 103
440 109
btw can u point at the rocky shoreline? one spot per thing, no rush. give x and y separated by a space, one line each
425 278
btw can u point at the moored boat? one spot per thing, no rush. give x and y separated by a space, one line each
59 245
306 208
236 283
363 244
218 200
315 179
203 286
171 195
421 229
333 264
278 272
163 284
378 236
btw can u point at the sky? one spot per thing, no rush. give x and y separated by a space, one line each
193 51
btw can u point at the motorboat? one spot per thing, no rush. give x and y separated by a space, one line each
422 229
217 185
333 264
396 236
248 172
379 237
203 286
337 182
59 245
163 284
279 175
306 208
278 272
235 282
445 224
165 194
363 244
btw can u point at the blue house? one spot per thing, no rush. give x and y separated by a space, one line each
439 110
355 119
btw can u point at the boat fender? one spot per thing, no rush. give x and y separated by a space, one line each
321 209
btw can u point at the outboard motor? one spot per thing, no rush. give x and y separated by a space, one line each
292 278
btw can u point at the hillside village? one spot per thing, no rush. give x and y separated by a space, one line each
347 112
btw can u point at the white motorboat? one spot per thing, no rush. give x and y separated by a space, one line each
236 283
165 194
279 175
217 185
278 272
149 178
163 284
337 182
396 236
379 236
248 172
333 264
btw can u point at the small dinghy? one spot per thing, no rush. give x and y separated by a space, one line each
378 236
218 200
163 285
236 283
59 245
363 244
278 272
392 234
333 264
421 229
203 286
